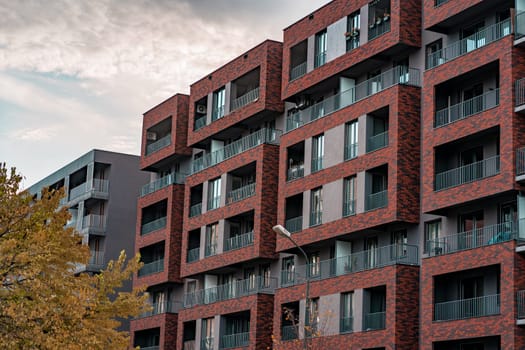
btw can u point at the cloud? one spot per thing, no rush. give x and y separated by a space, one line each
37 134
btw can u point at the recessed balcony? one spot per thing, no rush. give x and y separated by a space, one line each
158 145
238 241
151 267
161 183
467 173
153 225
467 308
172 307
467 108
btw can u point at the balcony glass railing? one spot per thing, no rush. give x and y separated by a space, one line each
162 308
217 113
467 308
77 191
210 249
94 221
520 161
240 193
152 267
96 259
237 289
241 101
295 172
317 164
245 143
378 28
316 218
476 238
213 203
440 2
320 59
346 324
298 71
397 75
520 91
100 185
404 254
97 185
521 304
159 144
477 40
239 241
377 141
153 225
467 108
199 123
467 173
349 208
207 343
376 200
520 25
294 224
235 340
289 332
351 151
165 181
195 210
374 320
193 254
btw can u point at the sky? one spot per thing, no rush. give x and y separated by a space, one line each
77 74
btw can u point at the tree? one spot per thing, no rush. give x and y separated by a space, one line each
43 304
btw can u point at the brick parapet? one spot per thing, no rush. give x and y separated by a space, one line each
167 323
434 15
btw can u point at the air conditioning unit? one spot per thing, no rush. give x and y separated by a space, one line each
151 136
201 109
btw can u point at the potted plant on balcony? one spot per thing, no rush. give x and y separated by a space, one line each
354 32
386 16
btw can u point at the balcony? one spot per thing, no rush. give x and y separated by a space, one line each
317 164
158 145
189 345
397 75
294 224
193 255
320 59
240 193
245 143
378 28
467 108
96 260
235 340
376 142
520 91
351 151
520 25
521 306
214 203
97 185
94 221
298 71
207 343
346 324
477 40
151 268
467 173
240 288
196 210
316 218
210 249
467 308
153 225
404 254
241 101
159 184
376 200
199 123
217 113
162 308
440 2
480 237
295 172
239 241
289 332
374 320
348 208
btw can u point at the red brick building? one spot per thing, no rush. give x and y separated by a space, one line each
387 137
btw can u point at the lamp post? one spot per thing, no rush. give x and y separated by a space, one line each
283 232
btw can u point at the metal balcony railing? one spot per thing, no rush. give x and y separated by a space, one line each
376 200
241 101
298 71
520 91
239 241
290 332
403 254
317 164
346 324
521 304
476 238
240 193
377 141
351 151
162 308
237 289
153 225
467 173
159 144
152 267
213 203
217 113
349 208
294 224
195 210
295 172
374 320
397 75
520 161
316 218
243 144
467 308
94 221
100 185
96 259
207 343
235 340
462 110
320 59
477 40
199 123
520 25
379 28
210 249
176 178
193 255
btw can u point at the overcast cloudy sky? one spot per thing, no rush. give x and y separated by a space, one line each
78 74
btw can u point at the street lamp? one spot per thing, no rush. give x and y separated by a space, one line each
283 232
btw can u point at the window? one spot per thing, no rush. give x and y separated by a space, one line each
207 334
214 193
219 98
250 278
432 233
434 54
316 206
211 239
288 270
347 312
314 267
265 272
353 27
349 188
320 48
371 252
399 241
351 139
317 153
312 318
